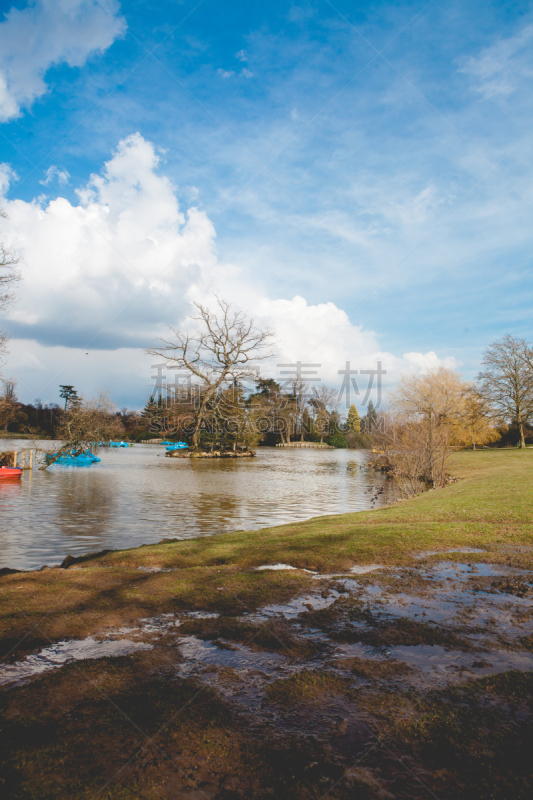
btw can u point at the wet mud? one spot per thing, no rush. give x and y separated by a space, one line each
383 682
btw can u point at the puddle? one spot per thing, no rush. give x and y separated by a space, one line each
364 570
282 567
453 550
155 569
294 608
196 651
65 652
434 658
447 621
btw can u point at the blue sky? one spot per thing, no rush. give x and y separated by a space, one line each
373 160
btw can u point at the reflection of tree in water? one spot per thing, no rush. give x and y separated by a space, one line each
9 493
85 504
211 495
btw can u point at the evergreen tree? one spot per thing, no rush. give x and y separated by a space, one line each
150 411
371 417
354 421
69 395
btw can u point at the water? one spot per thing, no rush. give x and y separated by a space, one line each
61 653
471 600
137 496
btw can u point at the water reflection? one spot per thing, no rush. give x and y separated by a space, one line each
137 496
85 507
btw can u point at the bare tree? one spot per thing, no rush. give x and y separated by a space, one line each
323 402
9 275
84 425
506 381
9 407
220 350
430 404
414 451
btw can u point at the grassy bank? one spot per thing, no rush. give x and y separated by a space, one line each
489 507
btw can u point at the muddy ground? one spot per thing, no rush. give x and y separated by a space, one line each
386 682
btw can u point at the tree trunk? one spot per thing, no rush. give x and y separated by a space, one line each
522 439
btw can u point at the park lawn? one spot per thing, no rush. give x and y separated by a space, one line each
490 507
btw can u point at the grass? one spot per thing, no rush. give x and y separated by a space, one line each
489 507
306 687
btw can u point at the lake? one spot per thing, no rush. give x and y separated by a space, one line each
137 496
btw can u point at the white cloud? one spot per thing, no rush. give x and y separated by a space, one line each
85 265
46 33
501 68
241 55
225 73
247 73
423 362
86 268
55 175
322 338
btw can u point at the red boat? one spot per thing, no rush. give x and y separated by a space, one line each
10 472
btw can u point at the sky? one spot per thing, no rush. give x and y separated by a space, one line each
358 176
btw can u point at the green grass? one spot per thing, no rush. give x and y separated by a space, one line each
489 507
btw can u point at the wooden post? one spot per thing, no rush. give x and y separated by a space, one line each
24 459
14 458
31 459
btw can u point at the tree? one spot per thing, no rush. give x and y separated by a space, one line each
413 451
354 421
151 410
9 407
9 275
84 424
474 426
425 413
220 350
371 418
69 394
268 408
506 382
323 401
322 423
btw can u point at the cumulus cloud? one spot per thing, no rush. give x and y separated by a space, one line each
47 33
109 273
86 265
324 340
